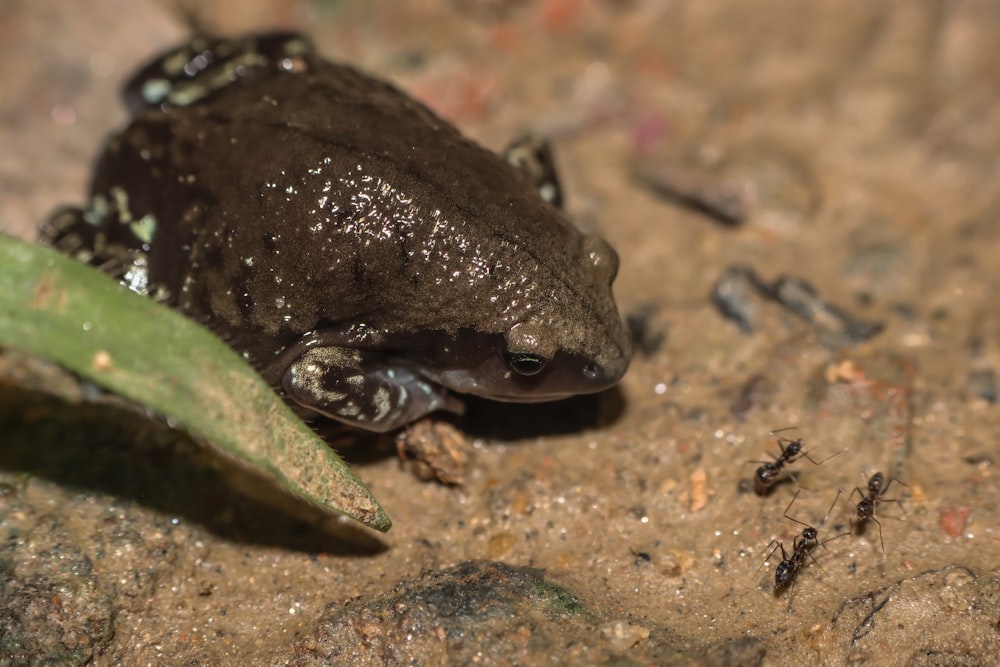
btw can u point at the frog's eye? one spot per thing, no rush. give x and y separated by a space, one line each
526 364
602 258
530 347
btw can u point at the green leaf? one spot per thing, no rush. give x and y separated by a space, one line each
58 308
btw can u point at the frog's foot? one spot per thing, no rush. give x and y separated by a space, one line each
81 234
67 232
440 451
365 390
532 156
72 231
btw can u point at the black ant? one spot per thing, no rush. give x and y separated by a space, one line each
869 502
769 472
802 546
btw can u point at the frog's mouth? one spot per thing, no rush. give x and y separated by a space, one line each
565 376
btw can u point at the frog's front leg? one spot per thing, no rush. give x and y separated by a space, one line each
363 388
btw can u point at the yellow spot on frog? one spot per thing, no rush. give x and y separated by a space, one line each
144 228
121 204
98 210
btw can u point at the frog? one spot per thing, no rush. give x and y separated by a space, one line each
372 263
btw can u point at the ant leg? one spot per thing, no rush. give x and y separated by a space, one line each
889 483
790 507
801 523
881 541
816 562
893 500
782 446
835 537
822 461
836 498
874 518
823 544
776 544
858 491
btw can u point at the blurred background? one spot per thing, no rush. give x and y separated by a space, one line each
804 196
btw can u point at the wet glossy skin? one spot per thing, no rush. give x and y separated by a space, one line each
353 246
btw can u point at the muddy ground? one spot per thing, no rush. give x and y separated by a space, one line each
850 145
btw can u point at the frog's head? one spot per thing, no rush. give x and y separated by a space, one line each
567 339
527 366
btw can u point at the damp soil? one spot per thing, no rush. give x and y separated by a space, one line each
805 198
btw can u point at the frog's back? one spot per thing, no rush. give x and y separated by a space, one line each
282 198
